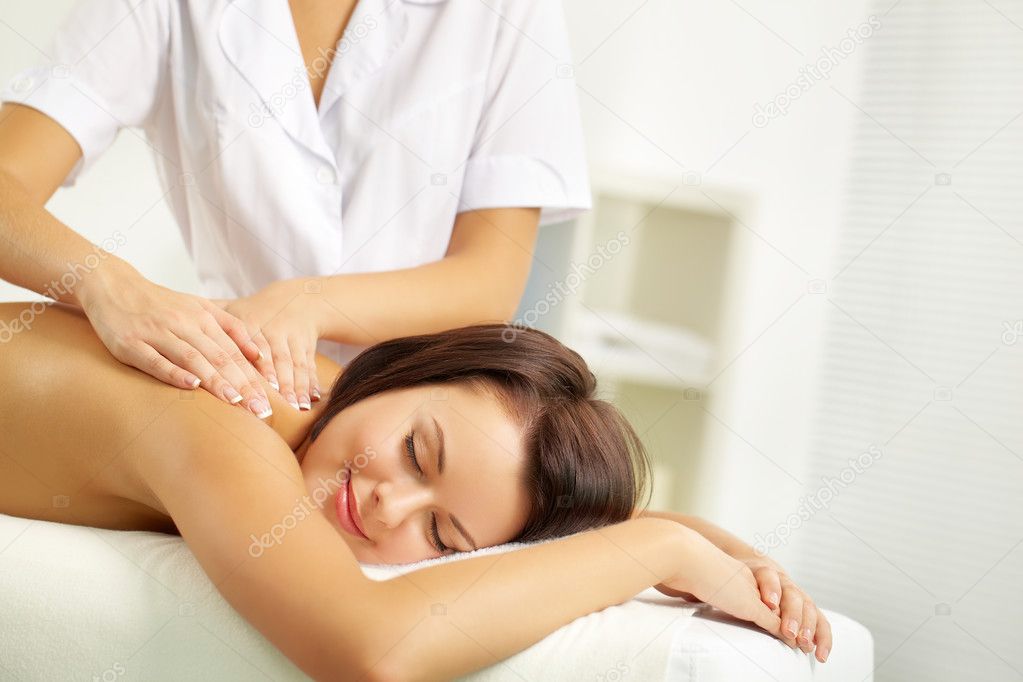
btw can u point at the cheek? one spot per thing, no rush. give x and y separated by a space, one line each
396 549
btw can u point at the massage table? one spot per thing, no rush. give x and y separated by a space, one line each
81 603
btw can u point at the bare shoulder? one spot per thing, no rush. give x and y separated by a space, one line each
228 482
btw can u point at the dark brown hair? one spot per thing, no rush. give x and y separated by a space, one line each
585 465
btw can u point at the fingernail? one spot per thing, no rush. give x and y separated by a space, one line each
805 636
316 394
273 382
791 626
772 599
292 400
824 654
233 396
303 402
260 408
260 357
195 382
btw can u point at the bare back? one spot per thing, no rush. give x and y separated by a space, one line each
73 419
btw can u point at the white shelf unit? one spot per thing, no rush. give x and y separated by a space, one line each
643 282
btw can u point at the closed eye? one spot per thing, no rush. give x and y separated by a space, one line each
410 451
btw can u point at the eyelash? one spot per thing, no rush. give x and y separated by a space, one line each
410 450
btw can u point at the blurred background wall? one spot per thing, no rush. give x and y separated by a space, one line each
802 279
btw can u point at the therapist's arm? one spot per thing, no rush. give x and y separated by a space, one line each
177 338
481 278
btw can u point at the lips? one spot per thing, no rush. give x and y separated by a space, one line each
347 510
353 507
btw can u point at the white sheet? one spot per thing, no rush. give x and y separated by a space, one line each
85 603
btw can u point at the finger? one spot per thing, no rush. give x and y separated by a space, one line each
808 627
823 637
238 360
144 357
301 369
236 330
791 614
184 354
265 363
314 379
284 366
770 587
767 619
213 343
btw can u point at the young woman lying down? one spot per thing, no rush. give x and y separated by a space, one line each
427 445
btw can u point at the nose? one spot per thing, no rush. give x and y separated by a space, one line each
395 502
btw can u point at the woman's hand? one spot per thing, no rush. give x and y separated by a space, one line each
725 583
802 623
177 338
284 322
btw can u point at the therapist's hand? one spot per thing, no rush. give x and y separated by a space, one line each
177 338
284 323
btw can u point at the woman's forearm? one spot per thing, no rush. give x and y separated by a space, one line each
480 279
455 618
44 255
722 539
367 308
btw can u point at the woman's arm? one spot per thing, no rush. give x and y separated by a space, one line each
803 624
234 488
722 539
177 338
37 247
481 278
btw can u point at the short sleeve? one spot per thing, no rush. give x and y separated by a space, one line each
103 71
528 149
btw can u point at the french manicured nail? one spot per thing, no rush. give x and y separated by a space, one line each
292 400
194 382
303 402
805 636
791 626
772 599
316 393
273 382
260 407
824 654
233 396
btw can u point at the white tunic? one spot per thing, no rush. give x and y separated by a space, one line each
431 107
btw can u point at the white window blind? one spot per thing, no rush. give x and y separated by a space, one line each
923 354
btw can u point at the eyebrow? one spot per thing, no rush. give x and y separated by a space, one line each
439 435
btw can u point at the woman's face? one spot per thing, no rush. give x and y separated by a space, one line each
397 505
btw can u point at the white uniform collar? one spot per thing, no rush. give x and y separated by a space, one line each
258 37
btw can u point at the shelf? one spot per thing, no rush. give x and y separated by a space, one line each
686 191
629 348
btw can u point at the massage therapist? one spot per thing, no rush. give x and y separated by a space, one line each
342 173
